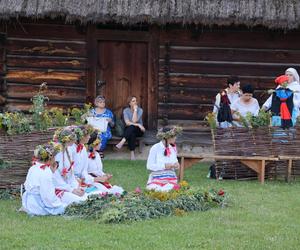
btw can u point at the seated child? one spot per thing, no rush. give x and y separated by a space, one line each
162 161
39 197
67 187
95 168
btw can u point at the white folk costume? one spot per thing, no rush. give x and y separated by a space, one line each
294 86
161 179
81 164
39 197
64 178
95 169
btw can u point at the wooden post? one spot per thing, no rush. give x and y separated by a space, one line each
261 175
181 170
289 170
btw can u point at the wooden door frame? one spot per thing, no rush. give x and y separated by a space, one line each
151 38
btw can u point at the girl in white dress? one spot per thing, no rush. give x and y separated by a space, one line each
95 168
162 161
39 197
66 184
244 105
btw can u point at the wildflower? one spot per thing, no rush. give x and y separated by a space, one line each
138 190
221 192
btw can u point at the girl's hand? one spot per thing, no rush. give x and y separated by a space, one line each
78 191
141 127
176 165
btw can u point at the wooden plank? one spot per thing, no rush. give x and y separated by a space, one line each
233 54
25 105
45 62
45 48
153 57
187 125
227 157
92 60
1 68
228 38
183 111
207 67
216 81
122 35
188 95
199 95
47 31
53 93
51 77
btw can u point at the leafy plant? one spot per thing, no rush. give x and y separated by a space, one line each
4 164
59 119
211 119
40 116
79 115
263 119
15 123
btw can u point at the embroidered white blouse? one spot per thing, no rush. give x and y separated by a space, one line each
157 160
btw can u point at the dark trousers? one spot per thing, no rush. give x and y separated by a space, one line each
130 134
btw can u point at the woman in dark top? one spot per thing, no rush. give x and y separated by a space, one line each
134 125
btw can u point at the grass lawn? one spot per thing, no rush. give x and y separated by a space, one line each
259 217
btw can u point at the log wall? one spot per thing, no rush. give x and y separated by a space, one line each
45 52
194 66
2 67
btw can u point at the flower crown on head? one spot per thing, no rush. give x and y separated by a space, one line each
47 151
64 135
172 132
83 130
95 143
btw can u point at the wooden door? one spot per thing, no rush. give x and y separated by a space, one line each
123 71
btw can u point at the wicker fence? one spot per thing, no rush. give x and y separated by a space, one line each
264 141
17 152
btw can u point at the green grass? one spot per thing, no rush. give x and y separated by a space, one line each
259 217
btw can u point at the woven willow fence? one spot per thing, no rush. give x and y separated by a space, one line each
17 152
263 141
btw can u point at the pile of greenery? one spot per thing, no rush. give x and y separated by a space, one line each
40 117
137 206
263 119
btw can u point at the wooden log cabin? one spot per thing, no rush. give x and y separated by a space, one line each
173 55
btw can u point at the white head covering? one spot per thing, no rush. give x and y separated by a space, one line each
294 73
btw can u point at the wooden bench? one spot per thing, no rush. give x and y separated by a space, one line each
289 159
116 139
257 163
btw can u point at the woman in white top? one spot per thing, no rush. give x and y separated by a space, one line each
39 197
232 92
245 104
293 84
162 161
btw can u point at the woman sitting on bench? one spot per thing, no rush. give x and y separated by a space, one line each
162 161
134 125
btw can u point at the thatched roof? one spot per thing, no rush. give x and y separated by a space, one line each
283 14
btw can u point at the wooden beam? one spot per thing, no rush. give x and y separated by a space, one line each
92 63
258 166
153 58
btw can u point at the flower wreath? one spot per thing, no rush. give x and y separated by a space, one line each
176 130
64 135
44 152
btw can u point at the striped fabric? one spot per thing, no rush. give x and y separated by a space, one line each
161 178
